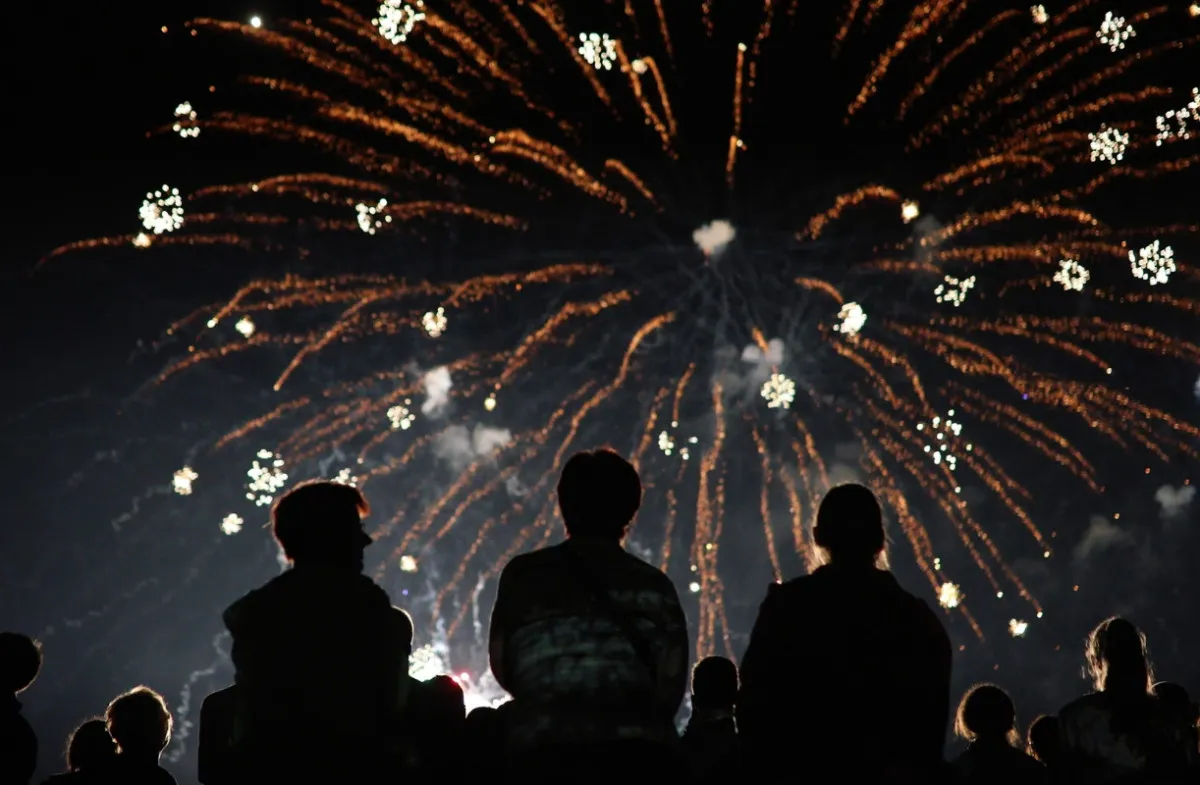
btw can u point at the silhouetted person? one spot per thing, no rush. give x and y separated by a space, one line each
841 644
987 719
711 739
216 764
1121 731
317 656
1178 705
91 755
482 733
140 724
1044 742
437 711
590 641
20 661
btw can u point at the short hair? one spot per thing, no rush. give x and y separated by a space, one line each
714 683
20 661
850 524
314 515
403 628
1176 700
1043 739
139 721
986 711
1117 658
90 747
599 492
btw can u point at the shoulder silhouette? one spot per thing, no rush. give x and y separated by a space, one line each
140 723
20 662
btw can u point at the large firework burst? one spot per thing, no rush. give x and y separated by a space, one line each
742 244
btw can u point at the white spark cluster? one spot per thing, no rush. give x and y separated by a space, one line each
266 478
946 434
245 326
1114 31
401 416
1108 145
434 322
162 210
1040 15
666 443
910 211
1194 10
231 523
346 477
408 563
1017 628
1175 124
954 290
1072 275
256 22
181 483
185 121
1154 263
639 66
852 318
599 50
369 218
489 402
396 19
779 391
142 240
949 595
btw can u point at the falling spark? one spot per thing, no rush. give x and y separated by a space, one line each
598 50
185 121
397 19
1154 263
1108 144
162 210
910 211
346 477
434 322
368 216
142 240
954 290
232 523
401 416
245 326
1115 32
489 403
256 21
181 483
1040 16
779 391
666 443
946 434
408 563
949 595
1072 275
852 318
266 478
1017 628
694 587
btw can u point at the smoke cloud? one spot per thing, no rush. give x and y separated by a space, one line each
1174 502
1101 535
460 447
437 391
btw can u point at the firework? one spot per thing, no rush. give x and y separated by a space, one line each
963 146
266 478
185 121
182 481
232 523
162 210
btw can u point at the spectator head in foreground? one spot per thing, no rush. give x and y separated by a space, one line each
320 523
714 684
1117 659
986 713
90 747
1044 740
849 527
598 494
139 723
20 661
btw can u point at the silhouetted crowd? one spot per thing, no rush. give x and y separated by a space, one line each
846 677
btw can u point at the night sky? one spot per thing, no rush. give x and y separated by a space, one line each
106 566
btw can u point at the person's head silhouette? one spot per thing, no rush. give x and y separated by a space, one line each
598 494
320 523
986 713
20 661
139 723
1044 741
1117 659
714 684
850 526
90 747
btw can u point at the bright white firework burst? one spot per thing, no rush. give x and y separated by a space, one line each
346 477
398 19
181 483
954 290
401 415
599 50
245 326
1108 144
1114 31
946 434
434 322
433 659
142 240
369 218
779 391
910 211
266 478
1017 628
185 121
1072 275
1174 125
162 210
949 595
1154 263
666 443
1040 16
408 563
232 523
852 317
